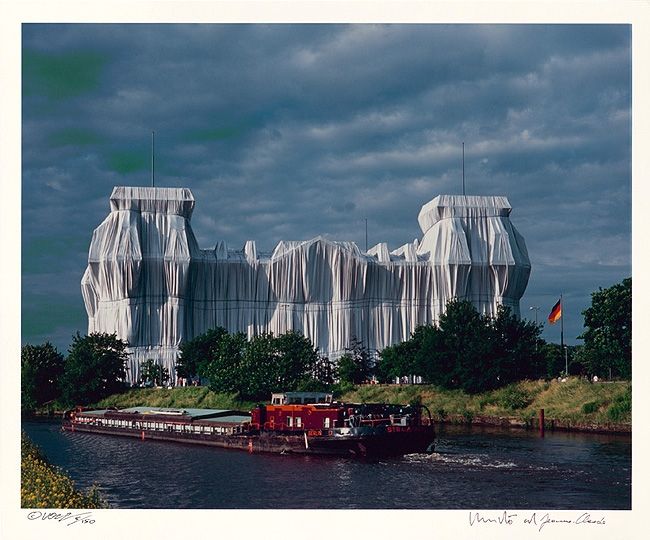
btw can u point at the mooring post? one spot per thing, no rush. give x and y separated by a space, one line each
541 422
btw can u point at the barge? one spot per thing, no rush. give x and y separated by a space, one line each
294 422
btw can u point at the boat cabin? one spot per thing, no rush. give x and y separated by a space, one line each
300 398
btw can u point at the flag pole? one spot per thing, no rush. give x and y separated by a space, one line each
561 322
566 358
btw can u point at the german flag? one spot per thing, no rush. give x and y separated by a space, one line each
556 312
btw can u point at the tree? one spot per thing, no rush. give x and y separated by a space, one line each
348 370
255 368
94 369
153 373
554 362
323 373
461 349
297 362
426 340
354 366
260 370
41 366
608 331
387 368
399 360
224 370
553 356
196 354
515 351
467 350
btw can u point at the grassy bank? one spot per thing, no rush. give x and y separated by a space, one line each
575 403
44 486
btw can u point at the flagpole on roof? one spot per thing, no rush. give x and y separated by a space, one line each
152 154
463 169
366 235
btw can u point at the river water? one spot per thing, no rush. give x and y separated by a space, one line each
471 468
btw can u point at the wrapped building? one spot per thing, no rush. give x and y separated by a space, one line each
149 282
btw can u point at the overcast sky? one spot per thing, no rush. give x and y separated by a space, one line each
285 132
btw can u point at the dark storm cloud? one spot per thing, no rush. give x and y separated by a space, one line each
290 131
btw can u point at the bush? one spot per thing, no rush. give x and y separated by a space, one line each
590 407
341 388
514 399
485 400
621 408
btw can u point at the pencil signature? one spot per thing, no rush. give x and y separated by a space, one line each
536 519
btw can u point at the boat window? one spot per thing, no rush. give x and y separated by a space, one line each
290 421
298 421
326 422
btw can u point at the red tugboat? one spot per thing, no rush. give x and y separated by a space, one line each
294 422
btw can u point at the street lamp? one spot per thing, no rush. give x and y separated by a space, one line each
536 308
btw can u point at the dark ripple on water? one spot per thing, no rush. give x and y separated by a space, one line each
468 470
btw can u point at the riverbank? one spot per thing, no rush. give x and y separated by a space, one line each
44 486
574 405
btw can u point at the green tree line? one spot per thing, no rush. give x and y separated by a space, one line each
94 369
465 350
254 368
468 351
475 353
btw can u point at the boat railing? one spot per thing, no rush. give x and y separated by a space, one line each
374 422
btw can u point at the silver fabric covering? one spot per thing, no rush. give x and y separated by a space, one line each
148 281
